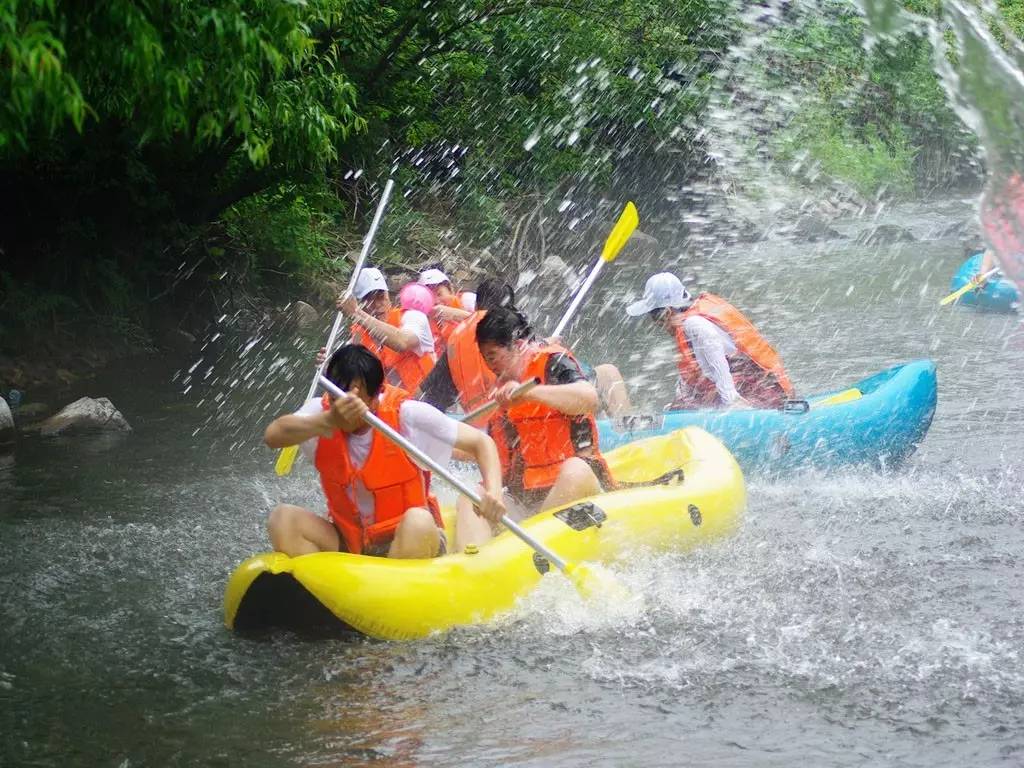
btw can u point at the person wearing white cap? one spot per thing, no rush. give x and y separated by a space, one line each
450 308
724 362
402 339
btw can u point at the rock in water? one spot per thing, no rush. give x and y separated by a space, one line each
886 234
83 414
814 228
6 424
304 315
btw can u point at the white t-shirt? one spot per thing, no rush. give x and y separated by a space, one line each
711 347
423 425
468 299
417 322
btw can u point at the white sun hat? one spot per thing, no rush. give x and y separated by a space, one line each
662 291
433 277
370 279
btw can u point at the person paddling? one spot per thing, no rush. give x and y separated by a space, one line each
724 362
378 500
401 338
450 307
546 437
460 374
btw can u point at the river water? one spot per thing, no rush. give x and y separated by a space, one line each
856 619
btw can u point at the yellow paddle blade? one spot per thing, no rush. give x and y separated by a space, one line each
628 221
846 396
975 282
958 293
597 583
285 460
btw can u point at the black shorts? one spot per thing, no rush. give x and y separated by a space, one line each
530 499
381 550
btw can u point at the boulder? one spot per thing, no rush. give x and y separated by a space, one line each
885 234
964 230
86 414
6 424
304 315
814 228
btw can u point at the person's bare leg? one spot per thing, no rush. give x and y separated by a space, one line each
470 528
611 388
297 531
576 480
416 537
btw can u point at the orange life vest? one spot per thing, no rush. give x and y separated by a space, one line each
442 329
756 368
402 369
388 474
534 440
473 380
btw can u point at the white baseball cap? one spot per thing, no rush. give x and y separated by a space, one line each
433 277
662 290
370 279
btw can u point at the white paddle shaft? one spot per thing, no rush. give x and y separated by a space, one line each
578 298
367 244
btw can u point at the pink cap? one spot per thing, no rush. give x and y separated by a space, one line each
416 296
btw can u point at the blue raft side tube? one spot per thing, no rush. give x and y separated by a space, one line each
882 428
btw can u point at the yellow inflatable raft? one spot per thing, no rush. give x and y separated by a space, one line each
678 490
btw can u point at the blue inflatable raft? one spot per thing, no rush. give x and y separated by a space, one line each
997 296
878 421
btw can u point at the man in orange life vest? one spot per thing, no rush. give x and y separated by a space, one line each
378 500
460 374
547 437
450 308
724 362
401 339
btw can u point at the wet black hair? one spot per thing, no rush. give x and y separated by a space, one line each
352 362
492 292
503 326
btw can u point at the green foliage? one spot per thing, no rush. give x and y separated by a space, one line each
876 120
287 229
863 160
26 309
38 89
213 72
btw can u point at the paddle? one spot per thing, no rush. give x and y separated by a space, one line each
583 579
491 405
286 457
974 282
624 227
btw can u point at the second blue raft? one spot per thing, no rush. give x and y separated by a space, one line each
998 295
878 421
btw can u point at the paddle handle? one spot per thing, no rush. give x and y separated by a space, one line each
492 406
442 472
363 254
578 298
